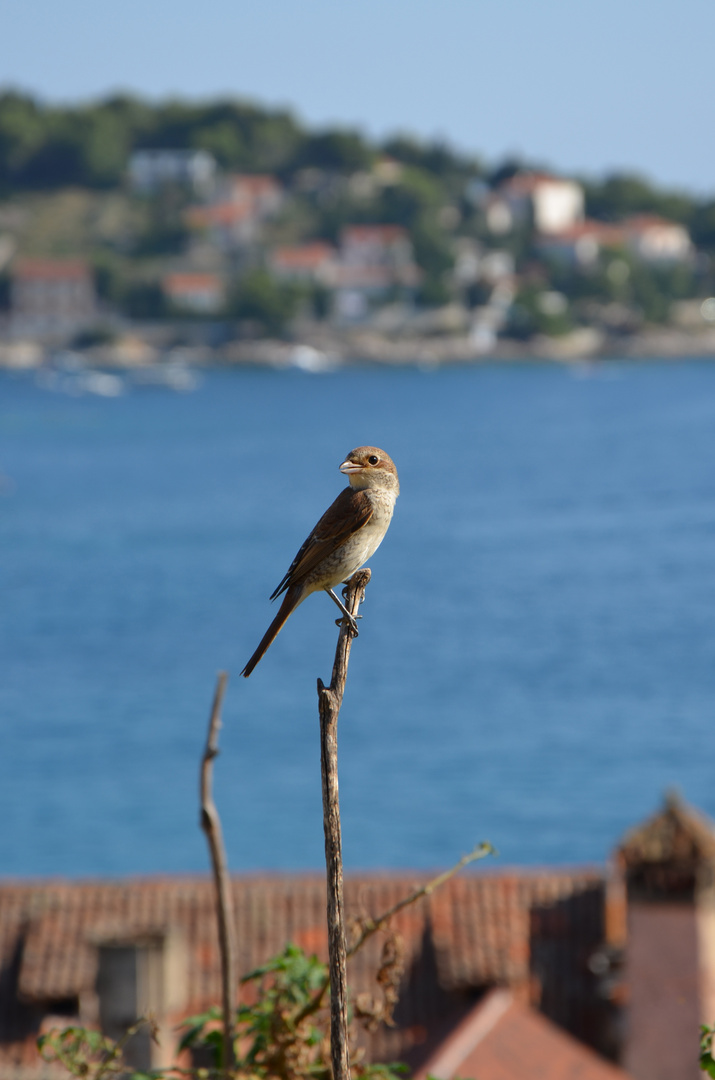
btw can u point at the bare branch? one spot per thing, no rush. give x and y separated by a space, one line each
329 701
371 926
211 824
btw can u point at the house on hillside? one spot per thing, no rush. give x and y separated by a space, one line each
581 245
373 260
656 240
312 263
649 238
261 192
150 170
234 216
51 299
197 293
548 203
227 226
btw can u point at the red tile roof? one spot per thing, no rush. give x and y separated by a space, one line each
501 1039
223 213
372 234
526 183
44 268
601 232
181 284
642 223
531 931
303 256
255 183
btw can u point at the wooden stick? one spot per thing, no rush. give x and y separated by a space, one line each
211 824
329 701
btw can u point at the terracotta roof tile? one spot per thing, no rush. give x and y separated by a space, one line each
477 931
180 283
44 268
303 256
371 234
501 1039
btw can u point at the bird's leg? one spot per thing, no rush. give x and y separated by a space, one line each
346 613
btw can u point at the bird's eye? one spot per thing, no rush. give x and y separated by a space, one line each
373 459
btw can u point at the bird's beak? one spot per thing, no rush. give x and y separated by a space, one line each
348 467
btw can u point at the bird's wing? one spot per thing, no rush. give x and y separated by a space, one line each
350 512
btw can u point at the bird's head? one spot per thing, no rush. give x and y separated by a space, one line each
370 467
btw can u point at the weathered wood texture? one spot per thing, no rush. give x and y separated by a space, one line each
329 701
211 824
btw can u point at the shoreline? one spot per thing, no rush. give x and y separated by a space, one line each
320 349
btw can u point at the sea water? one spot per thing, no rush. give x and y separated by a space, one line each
536 661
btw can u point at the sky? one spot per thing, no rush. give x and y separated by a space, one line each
579 86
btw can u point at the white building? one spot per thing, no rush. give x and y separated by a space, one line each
150 170
656 240
549 203
52 298
198 293
372 259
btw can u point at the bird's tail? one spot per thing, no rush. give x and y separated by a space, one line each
290 602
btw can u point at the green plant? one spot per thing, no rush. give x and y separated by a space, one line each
87 1053
707 1061
280 1036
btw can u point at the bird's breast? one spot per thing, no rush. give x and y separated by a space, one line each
372 534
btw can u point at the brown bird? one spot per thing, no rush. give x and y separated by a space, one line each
348 533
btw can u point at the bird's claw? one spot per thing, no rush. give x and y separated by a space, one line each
361 599
350 620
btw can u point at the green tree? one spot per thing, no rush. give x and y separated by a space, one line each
258 297
143 300
702 226
343 151
623 194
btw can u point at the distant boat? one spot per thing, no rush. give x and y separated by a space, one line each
76 381
307 358
175 374
101 383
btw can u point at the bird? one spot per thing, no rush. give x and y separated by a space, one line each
348 533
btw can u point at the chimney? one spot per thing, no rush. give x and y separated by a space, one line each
668 866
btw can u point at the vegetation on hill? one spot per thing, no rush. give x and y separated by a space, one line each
63 172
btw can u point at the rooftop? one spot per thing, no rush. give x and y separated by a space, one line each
530 931
505 1040
50 269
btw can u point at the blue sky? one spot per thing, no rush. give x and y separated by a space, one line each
577 85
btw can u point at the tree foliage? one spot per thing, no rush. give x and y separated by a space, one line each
259 298
623 194
45 147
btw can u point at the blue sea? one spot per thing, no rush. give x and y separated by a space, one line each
536 661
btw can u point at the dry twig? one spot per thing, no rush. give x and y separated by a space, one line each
371 926
211 824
